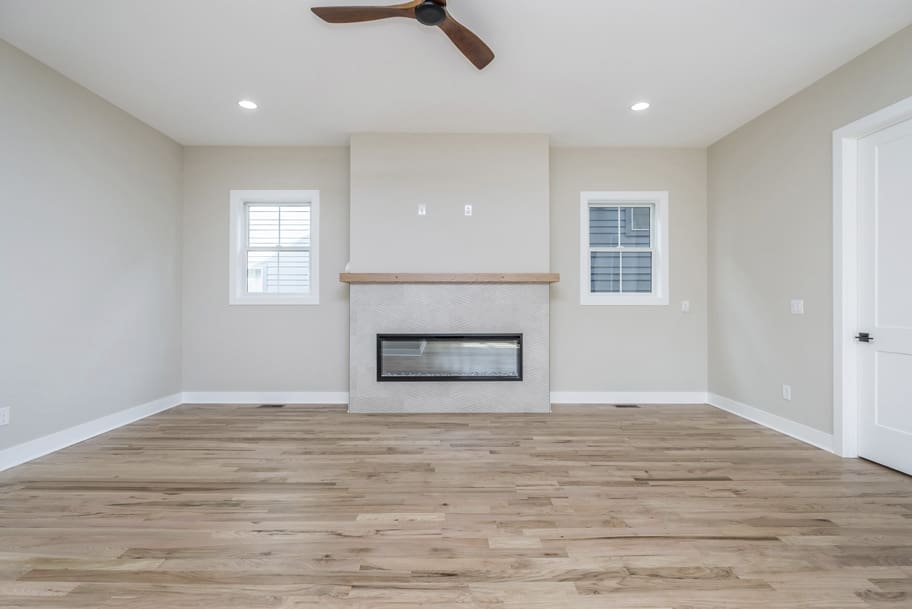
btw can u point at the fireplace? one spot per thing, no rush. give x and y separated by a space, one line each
424 344
449 357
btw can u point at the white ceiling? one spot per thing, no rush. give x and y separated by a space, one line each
568 69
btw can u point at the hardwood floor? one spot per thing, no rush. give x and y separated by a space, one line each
681 507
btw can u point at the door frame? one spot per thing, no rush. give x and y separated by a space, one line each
845 270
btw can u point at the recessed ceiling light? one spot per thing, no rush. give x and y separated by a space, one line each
247 104
640 106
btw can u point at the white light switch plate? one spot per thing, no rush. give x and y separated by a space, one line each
797 307
4 416
685 306
468 210
422 210
787 393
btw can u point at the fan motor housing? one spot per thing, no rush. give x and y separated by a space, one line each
430 13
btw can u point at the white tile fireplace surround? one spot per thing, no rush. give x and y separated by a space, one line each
489 307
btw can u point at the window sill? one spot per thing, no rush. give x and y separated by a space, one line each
620 300
249 300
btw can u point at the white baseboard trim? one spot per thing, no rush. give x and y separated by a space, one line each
266 397
33 449
628 397
799 431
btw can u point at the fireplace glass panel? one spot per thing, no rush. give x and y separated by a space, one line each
407 357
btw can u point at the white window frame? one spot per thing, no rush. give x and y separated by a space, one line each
658 200
237 280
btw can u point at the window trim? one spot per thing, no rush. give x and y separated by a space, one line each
237 267
660 276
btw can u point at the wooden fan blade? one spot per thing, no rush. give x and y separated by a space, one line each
466 41
358 14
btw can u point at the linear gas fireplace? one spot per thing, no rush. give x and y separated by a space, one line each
449 357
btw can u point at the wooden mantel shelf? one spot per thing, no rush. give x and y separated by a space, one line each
449 277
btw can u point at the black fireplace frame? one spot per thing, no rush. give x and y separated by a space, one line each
518 337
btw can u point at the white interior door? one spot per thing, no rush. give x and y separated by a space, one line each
885 297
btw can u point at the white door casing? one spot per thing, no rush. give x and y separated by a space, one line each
885 296
845 269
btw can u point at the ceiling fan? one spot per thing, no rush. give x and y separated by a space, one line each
427 12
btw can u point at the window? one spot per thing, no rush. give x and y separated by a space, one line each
275 247
624 248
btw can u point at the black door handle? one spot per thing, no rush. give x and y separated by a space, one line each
864 337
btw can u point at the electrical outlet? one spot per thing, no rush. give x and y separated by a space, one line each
4 416
468 210
422 210
787 393
797 307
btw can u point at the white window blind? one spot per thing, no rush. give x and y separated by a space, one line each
278 248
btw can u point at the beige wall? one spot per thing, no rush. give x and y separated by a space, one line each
770 238
262 348
616 348
89 255
505 178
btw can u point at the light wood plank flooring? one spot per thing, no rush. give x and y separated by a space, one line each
678 507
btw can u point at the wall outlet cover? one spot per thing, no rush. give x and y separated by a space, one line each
468 210
422 210
4 416
787 393
797 307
